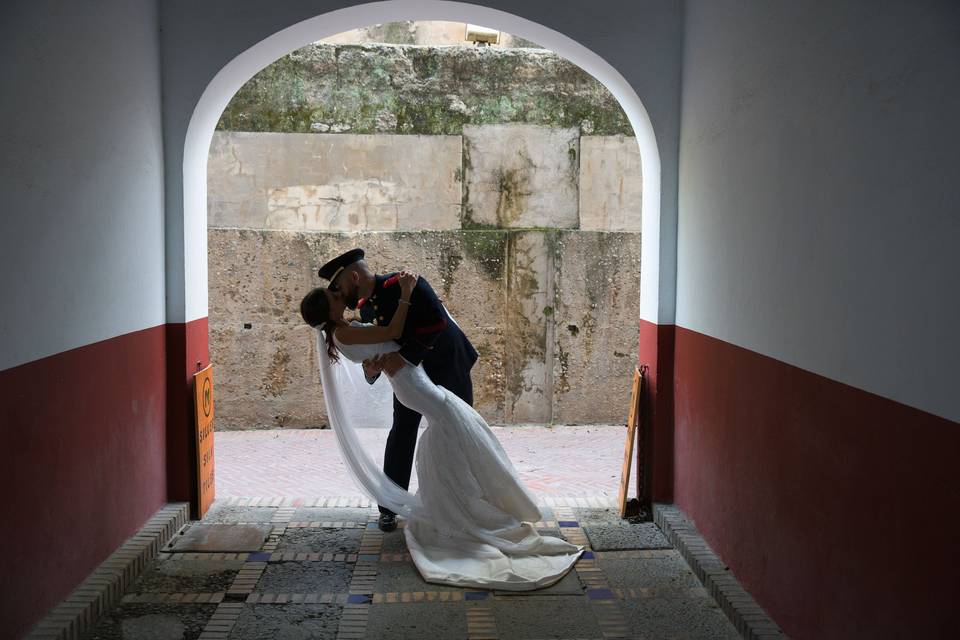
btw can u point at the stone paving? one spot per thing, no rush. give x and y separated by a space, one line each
326 571
563 461
323 570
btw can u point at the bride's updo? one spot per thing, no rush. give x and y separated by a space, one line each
315 310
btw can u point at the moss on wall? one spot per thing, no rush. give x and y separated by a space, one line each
486 248
413 89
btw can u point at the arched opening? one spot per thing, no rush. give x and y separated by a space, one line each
231 78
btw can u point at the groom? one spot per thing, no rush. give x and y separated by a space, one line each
429 338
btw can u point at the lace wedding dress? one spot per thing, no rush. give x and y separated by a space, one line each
471 521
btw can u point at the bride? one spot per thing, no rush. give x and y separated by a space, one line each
471 521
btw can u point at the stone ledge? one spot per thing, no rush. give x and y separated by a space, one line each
106 585
750 620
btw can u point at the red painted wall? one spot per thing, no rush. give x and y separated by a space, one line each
838 510
188 352
83 465
656 352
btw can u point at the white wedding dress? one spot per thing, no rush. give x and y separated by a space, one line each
471 522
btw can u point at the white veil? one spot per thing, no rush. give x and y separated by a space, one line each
363 405
371 406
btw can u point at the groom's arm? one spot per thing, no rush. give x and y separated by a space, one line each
429 321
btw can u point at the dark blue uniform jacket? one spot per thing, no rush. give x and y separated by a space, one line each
429 335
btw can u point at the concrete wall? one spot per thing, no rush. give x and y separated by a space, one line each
817 309
334 182
82 363
552 314
494 176
519 176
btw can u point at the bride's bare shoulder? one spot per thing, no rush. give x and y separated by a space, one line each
352 333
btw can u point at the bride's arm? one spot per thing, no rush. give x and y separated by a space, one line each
374 335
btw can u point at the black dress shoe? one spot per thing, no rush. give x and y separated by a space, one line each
387 522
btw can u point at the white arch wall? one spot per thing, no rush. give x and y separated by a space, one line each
82 248
210 49
819 191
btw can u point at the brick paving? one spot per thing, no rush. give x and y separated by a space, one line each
581 461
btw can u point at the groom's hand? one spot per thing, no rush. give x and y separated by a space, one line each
392 363
372 367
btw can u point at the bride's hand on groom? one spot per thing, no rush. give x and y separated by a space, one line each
408 281
391 363
372 367
388 362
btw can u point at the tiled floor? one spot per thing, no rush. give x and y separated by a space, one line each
552 461
325 571
328 572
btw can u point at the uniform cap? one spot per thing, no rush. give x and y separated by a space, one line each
332 269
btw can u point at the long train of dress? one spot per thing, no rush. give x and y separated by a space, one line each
471 521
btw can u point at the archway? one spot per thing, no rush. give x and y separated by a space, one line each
225 84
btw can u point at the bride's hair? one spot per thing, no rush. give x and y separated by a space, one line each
315 310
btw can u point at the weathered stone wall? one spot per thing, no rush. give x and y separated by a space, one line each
553 314
334 182
493 176
325 88
515 190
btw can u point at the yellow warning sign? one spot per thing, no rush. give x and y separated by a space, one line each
203 401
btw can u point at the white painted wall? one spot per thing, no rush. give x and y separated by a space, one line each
819 206
210 48
81 173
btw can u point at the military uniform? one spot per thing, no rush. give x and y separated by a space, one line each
429 338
